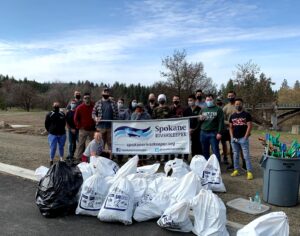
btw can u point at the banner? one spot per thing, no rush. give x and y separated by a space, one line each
151 137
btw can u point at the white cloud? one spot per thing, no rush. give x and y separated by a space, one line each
121 56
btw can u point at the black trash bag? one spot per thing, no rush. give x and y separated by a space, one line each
58 189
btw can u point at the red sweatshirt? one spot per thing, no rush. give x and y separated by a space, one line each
83 117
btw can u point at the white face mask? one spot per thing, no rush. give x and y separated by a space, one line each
133 104
120 105
73 106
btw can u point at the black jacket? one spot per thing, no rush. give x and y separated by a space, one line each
70 119
55 123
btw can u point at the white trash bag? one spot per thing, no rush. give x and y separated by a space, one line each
274 223
165 184
86 170
211 178
103 166
197 164
118 204
93 193
139 183
176 218
189 186
128 168
209 214
40 172
176 168
152 205
148 169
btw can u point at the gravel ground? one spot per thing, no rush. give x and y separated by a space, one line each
19 148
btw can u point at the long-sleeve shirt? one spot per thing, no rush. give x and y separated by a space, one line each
194 122
106 110
228 110
55 123
176 111
214 119
83 117
161 112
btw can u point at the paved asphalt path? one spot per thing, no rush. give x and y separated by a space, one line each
20 216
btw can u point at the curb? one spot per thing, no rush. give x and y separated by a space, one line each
18 171
29 174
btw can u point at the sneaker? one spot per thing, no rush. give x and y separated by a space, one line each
249 175
235 173
51 163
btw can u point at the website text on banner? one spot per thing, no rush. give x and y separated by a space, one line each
151 137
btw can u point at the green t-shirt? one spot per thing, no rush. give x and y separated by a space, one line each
214 119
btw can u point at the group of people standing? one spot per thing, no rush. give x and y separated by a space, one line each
210 123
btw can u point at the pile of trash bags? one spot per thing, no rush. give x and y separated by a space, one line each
112 194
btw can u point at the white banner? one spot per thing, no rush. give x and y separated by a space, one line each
151 137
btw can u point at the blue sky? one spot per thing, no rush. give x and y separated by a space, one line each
108 41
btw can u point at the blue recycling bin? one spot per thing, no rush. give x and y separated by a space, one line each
281 178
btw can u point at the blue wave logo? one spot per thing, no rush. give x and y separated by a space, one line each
126 131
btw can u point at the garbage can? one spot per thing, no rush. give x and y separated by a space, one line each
281 178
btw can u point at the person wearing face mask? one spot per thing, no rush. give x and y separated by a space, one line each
105 109
131 108
77 99
140 113
84 123
212 118
121 109
176 110
72 130
240 125
55 123
151 104
199 96
193 110
162 112
228 110
123 115
219 102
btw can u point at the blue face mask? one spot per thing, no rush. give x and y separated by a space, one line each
209 103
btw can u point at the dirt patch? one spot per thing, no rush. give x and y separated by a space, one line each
33 120
30 150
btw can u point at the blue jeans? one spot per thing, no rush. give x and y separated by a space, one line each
72 138
243 144
207 139
53 140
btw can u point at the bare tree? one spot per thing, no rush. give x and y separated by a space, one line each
254 87
23 95
185 77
